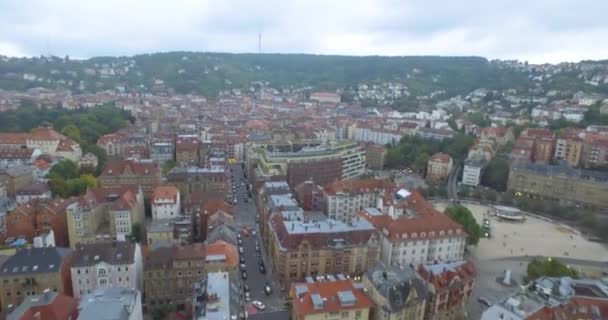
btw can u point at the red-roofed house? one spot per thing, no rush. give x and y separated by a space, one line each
165 203
46 306
438 168
329 299
118 173
187 150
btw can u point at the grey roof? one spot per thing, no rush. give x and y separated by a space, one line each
327 226
218 285
31 301
17 171
478 162
223 232
110 304
112 253
34 260
36 188
561 169
396 284
272 315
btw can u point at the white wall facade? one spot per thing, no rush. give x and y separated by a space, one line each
423 250
471 176
166 208
86 280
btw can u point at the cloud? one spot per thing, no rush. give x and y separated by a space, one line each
535 30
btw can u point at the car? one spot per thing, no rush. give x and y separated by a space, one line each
243 266
239 241
247 296
246 288
258 305
257 248
244 275
254 233
484 301
242 259
267 289
262 269
238 236
240 249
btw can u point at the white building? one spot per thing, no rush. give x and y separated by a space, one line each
344 199
165 203
473 170
377 136
107 265
412 231
114 303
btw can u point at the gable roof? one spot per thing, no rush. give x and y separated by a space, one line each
34 260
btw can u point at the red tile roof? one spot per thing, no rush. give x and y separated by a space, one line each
166 192
358 186
120 167
222 247
61 308
441 157
328 290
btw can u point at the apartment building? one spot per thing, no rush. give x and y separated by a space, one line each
449 285
31 219
121 173
569 146
412 231
187 149
473 171
325 97
534 144
194 179
103 214
300 246
336 298
166 203
397 293
46 140
375 156
500 135
100 266
595 151
112 303
438 168
559 182
31 271
112 144
11 157
47 306
218 296
162 152
346 198
170 274
16 178
36 191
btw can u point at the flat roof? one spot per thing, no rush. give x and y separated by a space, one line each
327 226
218 284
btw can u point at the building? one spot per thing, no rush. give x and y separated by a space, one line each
10 157
120 173
450 285
166 203
35 191
47 306
106 265
559 182
161 152
327 299
46 140
170 274
345 199
569 146
31 271
325 97
435 134
16 178
500 135
217 297
112 303
397 293
301 162
112 144
412 231
375 156
187 149
439 168
595 151
31 219
166 233
553 298
299 246
377 136
473 171
534 144
88 160
104 214
190 180
310 196
221 256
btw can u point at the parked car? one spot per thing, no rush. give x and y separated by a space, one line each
243 267
247 296
267 289
242 259
484 301
246 288
241 250
244 275
262 269
259 305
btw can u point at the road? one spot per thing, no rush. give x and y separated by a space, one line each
245 215
452 182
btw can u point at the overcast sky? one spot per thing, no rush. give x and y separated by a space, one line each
534 30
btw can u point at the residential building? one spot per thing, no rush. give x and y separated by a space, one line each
187 149
106 265
310 196
412 231
439 168
47 306
15 178
120 173
534 144
500 135
112 144
112 303
36 191
170 274
161 152
397 293
375 156
473 171
559 182
103 214
169 232
325 97
337 297
217 296
450 285
31 271
221 256
595 151
46 140
194 179
569 146
435 134
166 203
299 246
377 135
28 220
88 160
553 298
345 199
11 157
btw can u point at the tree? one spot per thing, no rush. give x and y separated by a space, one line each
167 166
464 217
89 180
71 131
496 174
549 267
136 232
420 163
66 169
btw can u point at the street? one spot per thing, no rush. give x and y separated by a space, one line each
245 215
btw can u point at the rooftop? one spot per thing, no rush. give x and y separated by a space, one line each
396 285
34 260
111 253
112 303
328 296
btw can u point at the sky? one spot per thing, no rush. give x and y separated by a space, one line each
537 31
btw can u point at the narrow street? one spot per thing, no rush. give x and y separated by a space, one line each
245 215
